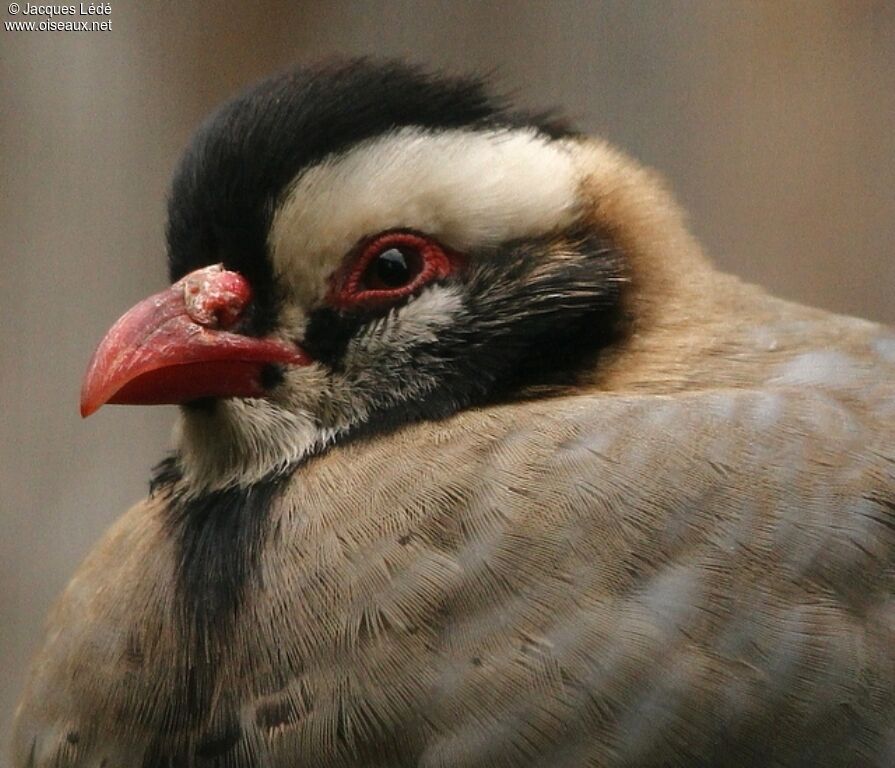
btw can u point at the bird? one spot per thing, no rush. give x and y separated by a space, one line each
480 462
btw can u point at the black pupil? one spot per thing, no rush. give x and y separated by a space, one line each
392 268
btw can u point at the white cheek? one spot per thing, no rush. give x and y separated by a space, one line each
418 322
434 308
468 189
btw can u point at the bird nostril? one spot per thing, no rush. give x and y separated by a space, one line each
215 297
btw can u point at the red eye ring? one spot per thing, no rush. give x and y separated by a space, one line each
432 262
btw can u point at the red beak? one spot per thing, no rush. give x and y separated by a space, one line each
175 347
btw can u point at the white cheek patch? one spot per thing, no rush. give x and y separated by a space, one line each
415 323
466 188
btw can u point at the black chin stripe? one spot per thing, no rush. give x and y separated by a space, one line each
218 536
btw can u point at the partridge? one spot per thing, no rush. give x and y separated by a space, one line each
480 463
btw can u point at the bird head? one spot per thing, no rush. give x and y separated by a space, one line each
358 246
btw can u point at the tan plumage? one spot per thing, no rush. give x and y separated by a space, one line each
686 559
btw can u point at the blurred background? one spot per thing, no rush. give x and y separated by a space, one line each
772 121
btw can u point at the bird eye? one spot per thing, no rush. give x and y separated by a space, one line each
390 266
393 268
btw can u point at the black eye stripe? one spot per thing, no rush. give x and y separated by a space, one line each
328 333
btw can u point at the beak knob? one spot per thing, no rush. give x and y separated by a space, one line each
177 346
